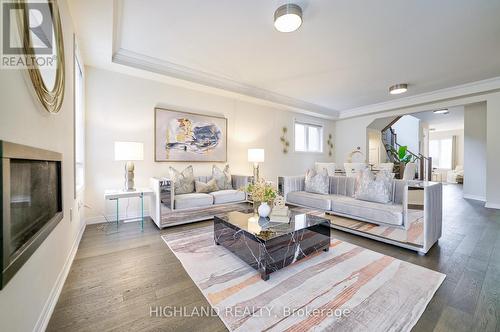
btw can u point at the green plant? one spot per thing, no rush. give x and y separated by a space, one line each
401 155
261 191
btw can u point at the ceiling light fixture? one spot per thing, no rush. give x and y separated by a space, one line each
443 111
288 18
398 88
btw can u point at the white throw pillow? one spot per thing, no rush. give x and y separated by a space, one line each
222 177
374 188
183 181
317 181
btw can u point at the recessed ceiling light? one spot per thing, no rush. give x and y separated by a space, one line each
288 18
398 88
443 111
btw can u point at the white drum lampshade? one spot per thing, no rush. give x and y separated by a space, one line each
129 151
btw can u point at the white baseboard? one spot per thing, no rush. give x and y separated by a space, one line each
131 216
50 304
492 205
475 197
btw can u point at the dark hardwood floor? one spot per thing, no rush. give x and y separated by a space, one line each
118 276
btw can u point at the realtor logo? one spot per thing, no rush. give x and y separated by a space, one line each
39 28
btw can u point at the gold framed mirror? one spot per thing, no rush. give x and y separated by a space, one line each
42 40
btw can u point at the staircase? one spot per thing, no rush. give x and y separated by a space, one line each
390 141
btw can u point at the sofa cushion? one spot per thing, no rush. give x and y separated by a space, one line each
187 201
317 201
228 196
183 181
208 187
377 213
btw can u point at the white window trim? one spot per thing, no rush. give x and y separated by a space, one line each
309 124
80 64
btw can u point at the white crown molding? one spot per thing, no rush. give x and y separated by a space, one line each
464 90
154 65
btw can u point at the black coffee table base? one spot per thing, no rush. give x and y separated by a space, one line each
267 256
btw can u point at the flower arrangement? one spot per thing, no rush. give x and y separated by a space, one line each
261 191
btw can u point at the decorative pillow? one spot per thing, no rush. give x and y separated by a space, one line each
202 187
317 181
183 181
222 178
374 189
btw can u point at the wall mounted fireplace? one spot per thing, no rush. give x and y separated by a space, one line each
31 202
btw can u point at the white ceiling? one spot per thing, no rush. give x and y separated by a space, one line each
454 120
344 56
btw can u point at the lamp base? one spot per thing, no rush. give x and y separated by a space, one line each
255 172
129 176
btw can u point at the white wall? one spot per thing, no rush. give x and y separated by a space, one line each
25 300
493 152
475 144
408 130
120 107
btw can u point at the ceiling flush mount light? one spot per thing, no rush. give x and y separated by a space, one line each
398 88
443 111
288 18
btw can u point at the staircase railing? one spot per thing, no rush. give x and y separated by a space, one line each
389 138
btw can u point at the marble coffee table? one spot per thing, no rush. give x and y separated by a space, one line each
268 247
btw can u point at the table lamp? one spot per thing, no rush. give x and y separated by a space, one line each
129 151
256 156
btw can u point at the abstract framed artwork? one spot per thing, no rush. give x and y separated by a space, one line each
182 136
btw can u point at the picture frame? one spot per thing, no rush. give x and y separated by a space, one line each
189 137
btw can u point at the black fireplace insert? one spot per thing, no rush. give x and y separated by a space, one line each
31 205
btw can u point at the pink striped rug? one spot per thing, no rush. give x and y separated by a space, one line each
349 288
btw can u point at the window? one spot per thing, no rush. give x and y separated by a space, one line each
308 137
441 151
79 119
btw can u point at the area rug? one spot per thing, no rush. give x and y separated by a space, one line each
348 288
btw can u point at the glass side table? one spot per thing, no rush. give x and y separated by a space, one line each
116 195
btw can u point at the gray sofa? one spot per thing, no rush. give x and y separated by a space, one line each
202 200
409 199
169 208
340 200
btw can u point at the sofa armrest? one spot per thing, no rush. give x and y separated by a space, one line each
433 214
287 184
240 181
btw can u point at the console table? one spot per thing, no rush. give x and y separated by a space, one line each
116 195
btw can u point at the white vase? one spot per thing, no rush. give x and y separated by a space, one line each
264 209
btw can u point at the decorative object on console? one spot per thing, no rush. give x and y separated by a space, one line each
129 152
353 153
261 192
280 212
329 142
256 156
48 81
284 139
181 136
183 181
222 177
317 181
